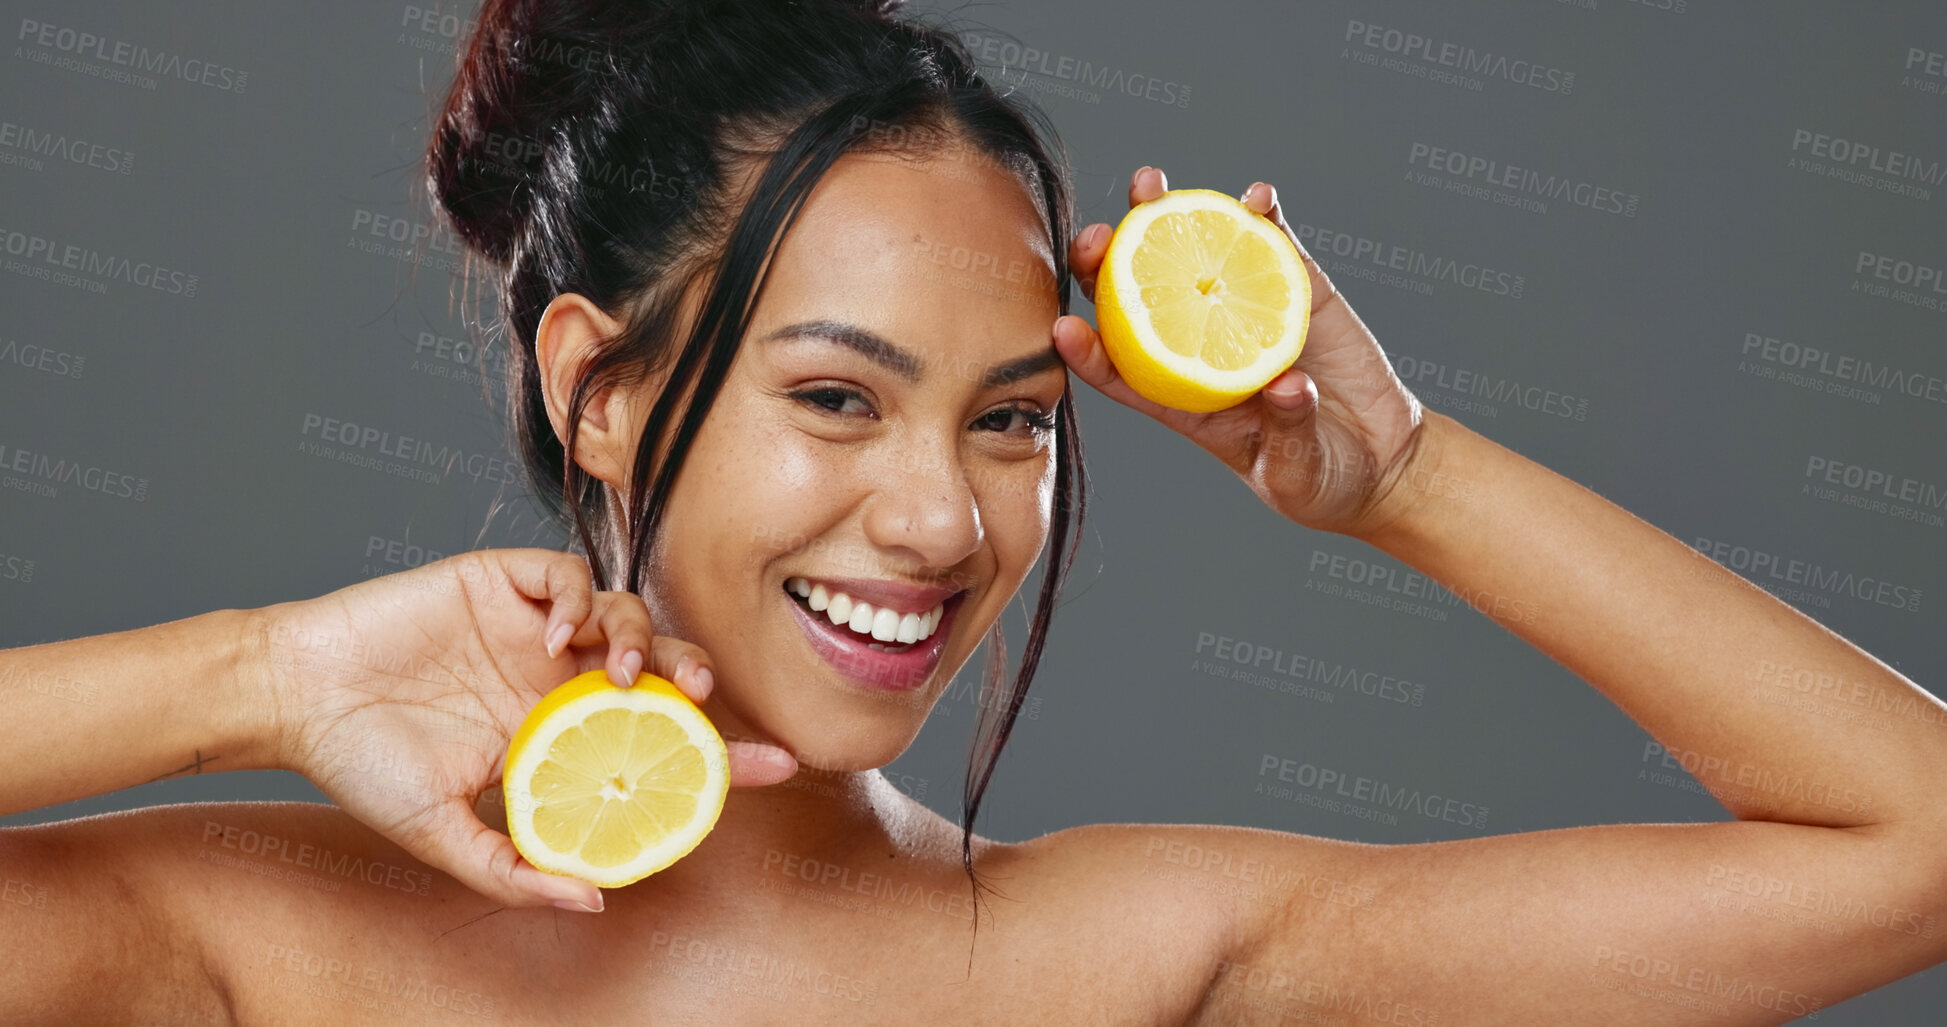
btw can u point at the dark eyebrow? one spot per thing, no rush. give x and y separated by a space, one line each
1026 367
903 363
862 340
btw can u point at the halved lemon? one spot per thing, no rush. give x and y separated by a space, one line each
1200 300
610 784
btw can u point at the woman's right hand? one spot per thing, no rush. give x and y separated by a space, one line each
397 697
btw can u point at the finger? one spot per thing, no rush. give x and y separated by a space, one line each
1147 184
1293 395
1080 346
1287 445
621 623
562 580
1085 256
684 663
486 861
756 764
1260 197
621 620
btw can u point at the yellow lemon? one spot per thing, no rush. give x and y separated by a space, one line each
610 784
1200 300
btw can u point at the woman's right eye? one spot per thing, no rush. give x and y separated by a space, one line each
833 399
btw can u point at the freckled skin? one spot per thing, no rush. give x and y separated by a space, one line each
833 898
915 495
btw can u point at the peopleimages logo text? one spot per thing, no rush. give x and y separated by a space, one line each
1009 55
56 146
89 46
449 460
1454 55
95 263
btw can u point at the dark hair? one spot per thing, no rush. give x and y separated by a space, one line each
590 147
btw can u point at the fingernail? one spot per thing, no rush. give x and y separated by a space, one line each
631 666
705 681
559 637
573 906
1099 235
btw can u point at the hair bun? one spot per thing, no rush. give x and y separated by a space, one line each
525 72
529 69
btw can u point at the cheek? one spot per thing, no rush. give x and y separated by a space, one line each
750 492
1016 501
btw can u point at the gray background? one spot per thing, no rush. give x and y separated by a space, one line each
262 193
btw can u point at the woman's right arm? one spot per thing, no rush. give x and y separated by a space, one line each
85 941
395 696
97 714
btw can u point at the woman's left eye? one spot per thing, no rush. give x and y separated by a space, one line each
1003 419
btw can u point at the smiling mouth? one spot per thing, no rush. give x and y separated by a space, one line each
875 648
880 628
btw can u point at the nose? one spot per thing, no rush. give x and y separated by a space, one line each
924 508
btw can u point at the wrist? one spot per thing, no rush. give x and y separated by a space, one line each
256 707
1417 483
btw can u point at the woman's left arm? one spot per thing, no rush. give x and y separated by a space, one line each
1827 884
1701 658
1339 444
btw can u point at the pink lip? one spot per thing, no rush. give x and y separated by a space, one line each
867 667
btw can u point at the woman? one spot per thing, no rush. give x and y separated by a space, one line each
737 368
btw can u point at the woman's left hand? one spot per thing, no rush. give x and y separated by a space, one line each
1325 441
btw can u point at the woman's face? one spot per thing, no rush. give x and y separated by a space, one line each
877 437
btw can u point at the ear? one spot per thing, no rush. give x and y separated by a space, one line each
563 343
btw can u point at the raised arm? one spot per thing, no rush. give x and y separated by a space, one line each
1826 886
1688 649
396 696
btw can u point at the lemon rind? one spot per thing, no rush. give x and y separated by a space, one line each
1233 385
521 805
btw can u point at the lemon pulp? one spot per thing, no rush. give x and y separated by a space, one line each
1200 300
611 785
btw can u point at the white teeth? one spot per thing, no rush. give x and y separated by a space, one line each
883 624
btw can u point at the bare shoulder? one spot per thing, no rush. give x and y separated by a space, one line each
302 863
304 846
210 867
298 909
121 914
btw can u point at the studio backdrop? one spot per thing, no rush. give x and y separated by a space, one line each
1689 253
